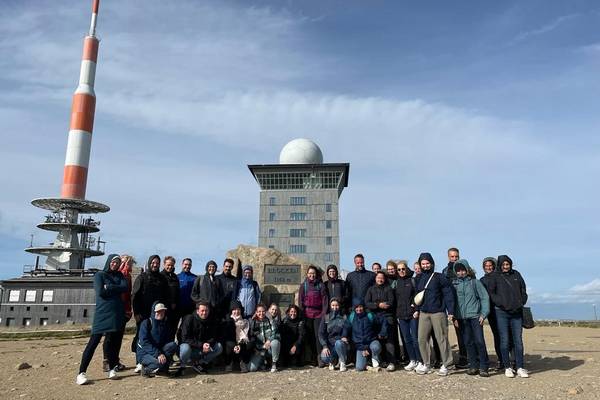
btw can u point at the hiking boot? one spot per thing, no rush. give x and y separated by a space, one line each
472 371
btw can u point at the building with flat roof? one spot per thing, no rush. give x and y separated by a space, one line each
299 203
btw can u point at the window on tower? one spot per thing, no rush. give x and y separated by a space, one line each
297 248
297 201
297 216
271 216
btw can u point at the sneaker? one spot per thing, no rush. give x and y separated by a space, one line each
523 373
422 369
472 371
375 363
243 367
81 378
120 367
199 369
138 368
105 366
390 368
373 369
443 371
509 373
411 366
343 367
274 368
148 373
112 374
484 373
331 367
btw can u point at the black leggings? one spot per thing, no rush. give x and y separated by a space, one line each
90 348
113 342
312 339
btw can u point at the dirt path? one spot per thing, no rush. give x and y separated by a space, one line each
562 361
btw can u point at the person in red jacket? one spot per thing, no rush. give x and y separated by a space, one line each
314 302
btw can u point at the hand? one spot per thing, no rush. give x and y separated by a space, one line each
293 350
383 305
450 317
455 323
237 349
481 319
365 353
162 359
326 352
267 345
206 348
345 340
416 315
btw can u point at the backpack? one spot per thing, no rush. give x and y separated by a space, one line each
369 315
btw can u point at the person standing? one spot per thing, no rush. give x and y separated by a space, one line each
359 281
249 294
438 300
229 284
109 317
405 310
509 294
489 267
186 283
391 274
450 274
149 287
172 317
336 287
471 309
313 300
207 289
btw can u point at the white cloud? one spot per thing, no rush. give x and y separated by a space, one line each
549 27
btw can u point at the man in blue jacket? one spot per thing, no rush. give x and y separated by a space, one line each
155 349
186 283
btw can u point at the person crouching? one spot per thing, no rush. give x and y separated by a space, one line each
366 330
155 349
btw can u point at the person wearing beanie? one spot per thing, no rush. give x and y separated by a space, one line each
249 294
437 305
471 309
509 294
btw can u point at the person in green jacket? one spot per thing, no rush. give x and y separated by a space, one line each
471 309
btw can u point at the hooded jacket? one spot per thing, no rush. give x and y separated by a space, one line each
336 288
507 289
357 284
261 331
186 283
249 294
404 295
331 329
364 328
110 312
153 336
438 295
381 294
173 290
229 286
486 277
236 330
472 300
207 288
313 298
148 288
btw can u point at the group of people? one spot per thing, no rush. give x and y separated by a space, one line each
383 318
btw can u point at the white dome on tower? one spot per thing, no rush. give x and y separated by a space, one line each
301 151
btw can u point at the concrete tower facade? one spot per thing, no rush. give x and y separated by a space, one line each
299 203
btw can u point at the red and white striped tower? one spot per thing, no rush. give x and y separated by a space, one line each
74 242
82 118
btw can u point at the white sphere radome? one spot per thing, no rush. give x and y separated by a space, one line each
301 151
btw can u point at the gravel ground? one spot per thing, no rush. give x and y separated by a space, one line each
564 364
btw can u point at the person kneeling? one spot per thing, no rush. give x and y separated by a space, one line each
365 330
155 349
197 340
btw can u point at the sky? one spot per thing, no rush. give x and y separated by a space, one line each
468 124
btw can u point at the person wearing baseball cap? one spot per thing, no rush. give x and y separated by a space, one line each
155 348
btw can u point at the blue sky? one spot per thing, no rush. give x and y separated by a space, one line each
468 124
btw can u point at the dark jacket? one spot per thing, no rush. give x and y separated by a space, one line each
173 290
153 336
357 284
148 288
229 286
507 289
196 331
438 296
336 288
292 332
404 295
364 328
208 289
331 329
381 294
186 283
110 312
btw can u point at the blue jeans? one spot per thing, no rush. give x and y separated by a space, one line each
361 361
472 336
339 351
408 329
187 354
258 358
510 323
152 363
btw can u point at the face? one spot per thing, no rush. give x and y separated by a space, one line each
293 314
332 273
379 279
402 270
260 313
115 263
359 263
335 306
160 315
169 265
425 265
311 274
488 267
417 268
505 266
453 256
202 311
391 270
154 264
248 274
359 309
461 273
273 310
186 265
212 268
227 267
236 312
376 267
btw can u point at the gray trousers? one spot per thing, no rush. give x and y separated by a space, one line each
437 323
